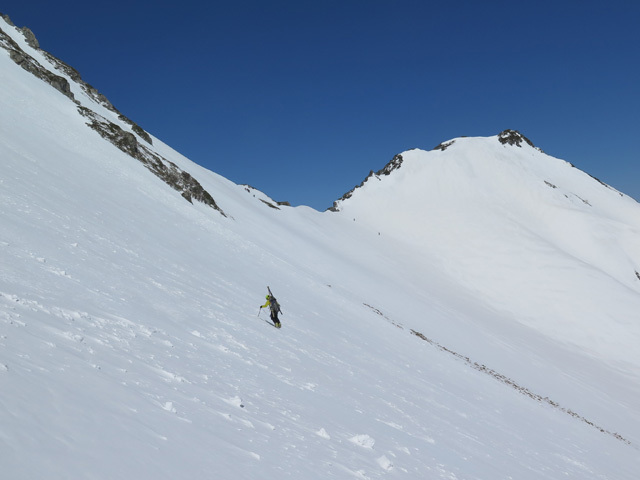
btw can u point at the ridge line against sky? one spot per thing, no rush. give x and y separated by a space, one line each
302 99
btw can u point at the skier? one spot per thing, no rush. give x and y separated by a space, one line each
274 306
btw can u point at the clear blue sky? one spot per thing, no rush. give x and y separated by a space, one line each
300 99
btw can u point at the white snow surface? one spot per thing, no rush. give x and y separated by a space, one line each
472 315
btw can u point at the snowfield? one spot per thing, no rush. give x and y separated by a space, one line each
471 315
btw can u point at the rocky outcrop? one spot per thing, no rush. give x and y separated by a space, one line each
6 19
124 140
394 164
507 137
32 66
444 145
31 39
60 83
513 137
269 201
167 171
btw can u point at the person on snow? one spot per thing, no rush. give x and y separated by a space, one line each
273 305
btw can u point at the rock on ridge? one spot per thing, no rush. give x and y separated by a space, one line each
127 142
394 164
31 39
513 137
60 83
6 19
506 137
28 63
167 171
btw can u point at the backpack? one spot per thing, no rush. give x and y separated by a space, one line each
275 306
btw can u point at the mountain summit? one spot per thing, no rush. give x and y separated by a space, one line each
475 209
468 312
513 137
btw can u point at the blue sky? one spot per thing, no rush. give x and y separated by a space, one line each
302 99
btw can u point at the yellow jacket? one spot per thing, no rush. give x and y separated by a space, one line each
275 307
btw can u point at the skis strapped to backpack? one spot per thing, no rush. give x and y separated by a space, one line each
274 302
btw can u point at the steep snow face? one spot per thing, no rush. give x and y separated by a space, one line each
132 345
508 222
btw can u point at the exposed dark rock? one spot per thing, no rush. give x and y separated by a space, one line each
60 83
513 137
91 92
394 164
273 204
190 187
141 133
167 171
31 39
97 96
58 64
126 141
32 66
269 204
443 146
94 94
7 19
28 63
598 180
378 312
336 207
75 76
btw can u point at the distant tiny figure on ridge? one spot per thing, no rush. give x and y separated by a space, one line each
274 306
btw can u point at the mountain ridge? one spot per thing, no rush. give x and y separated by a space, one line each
469 208
509 137
121 131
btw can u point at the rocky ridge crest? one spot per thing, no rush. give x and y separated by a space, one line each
130 139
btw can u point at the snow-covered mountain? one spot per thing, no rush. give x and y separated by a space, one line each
467 313
505 221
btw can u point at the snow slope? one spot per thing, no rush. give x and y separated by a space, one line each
506 222
456 319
